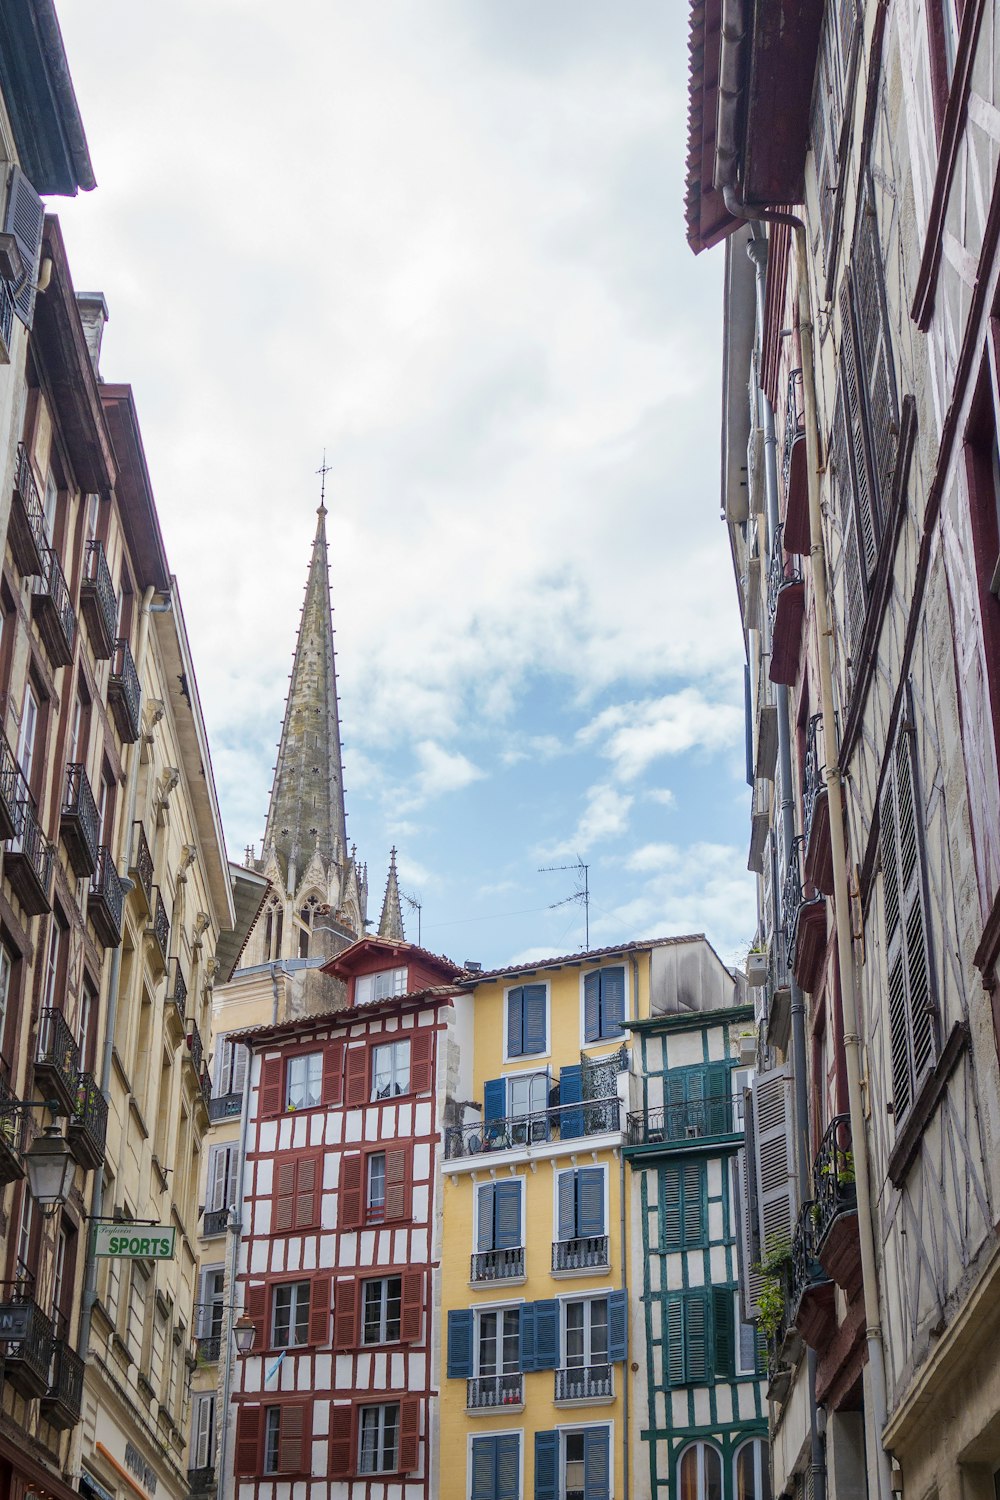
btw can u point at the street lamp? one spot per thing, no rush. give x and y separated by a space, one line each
50 1166
244 1332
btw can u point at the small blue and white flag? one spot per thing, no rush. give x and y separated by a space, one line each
275 1367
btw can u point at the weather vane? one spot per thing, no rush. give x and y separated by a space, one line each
323 471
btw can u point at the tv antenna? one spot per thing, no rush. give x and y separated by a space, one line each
418 907
582 872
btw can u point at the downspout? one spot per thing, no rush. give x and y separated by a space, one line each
89 1296
623 1229
235 1228
841 892
757 251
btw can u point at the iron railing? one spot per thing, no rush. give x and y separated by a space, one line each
805 1267
34 515
205 1085
580 1254
81 822
214 1221
494 1390
30 849
195 1046
106 899
51 585
142 862
497 1265
833 1175
12 791
794 424
177 991
561 1122
160 927
584 1383
224 1106
781 573
791 901
813 781
124 693
26 1363
96 585
6 314
58 1055
207 1348
12 1125
88 1124
685 1122
63 1401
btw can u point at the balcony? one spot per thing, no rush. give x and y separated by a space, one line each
124 695
588 1253
811 1294
803 924
106 900
207 1348
817 861
30 1333
63 1401
214 1221
201 1482
794 471
80 822
175 1000
88 1124
52 611
28 861
205 1088
585 1383
140 867
98 603
562 1122
12 791
836 1213
225 1106
786 600
195 1047
489 1266
487 1392
159 929
26 527
690 1121
6 319
11 1136
57 1061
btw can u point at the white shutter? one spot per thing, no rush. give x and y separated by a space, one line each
774 1143
202 1432
749 1279
237 1067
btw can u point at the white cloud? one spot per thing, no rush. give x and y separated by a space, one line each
663 795
536 747
443 770
653 857
633 735
532 956
605 816
700 888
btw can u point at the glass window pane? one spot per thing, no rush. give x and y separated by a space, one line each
713 1473
393 1302
271 1431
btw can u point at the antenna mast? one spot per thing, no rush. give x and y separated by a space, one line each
583 894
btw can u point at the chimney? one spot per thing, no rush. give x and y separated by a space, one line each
93 316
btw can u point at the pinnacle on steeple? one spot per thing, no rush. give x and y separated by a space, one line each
306 814
390 923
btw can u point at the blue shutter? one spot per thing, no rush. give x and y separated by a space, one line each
507 1222
485 1217
592 1008
590 1201
612 1002
546 1466
484 1468
718 1109
534 1018
571 1092
596 1463
494 1099
546 1335
515 1023
527 1339
567 1205
460 1344
617 1327
508 1467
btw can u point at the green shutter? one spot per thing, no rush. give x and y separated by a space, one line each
671 1208
694 1222
673 1338
697 1365
722 1321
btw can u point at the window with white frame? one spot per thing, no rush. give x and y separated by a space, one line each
378 1439
380 986
290 1315
203 1431
380 1310
223 1164
699 1473
304 1081
585 1336
230 1067
527 1094
576 1460
498 1345
750 1356
391 1069
272 1439
27 732
6 974
375 1194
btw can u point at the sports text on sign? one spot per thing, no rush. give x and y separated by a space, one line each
135 1242
14 1323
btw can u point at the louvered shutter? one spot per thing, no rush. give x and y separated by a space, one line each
596 1463
526 1337
460 1343
853 569
617 1326
350 1198
675 1102
340 1460
320 1288
484 1468
270 1086
546 1335
673 1333
485 1217
422 1060
508 1480
308 1179
697 1365
749 1279
592 1007
671 1208
515 1023
248 1428
203 1423
718 1110
612 1002
590 1201
25 221
546 1466
570 1092
397 1173
566 1199
293 1435
864 480
775 1164
507 1216
356 1078
284 1196
494 1099
333 1072
255 1302
693 1226
723 1332
534 1019
409 1434
345 1314
872 324
412 1308
216 1198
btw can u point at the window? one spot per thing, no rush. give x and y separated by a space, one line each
586 1333
528 1095
378 1439
498 1215
604 1005
230 1067
6 975
50 507
698 1330
58 938
495 1464
753 1471
374 1186
209 1325
580 1203
137 1297
527 1028
290 1315
498 1348
391 1070
203 1432
982 457
272 1433
297 1183
381 986
304 1081
573 1465
380 1310
751 1355
223 1162
697 1101
682 1206
28 732
375 1196
287 1431
575 1482
699 1473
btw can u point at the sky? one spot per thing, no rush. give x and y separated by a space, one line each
442 241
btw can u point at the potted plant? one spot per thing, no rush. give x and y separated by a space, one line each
757 967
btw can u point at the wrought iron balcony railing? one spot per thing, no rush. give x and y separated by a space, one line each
195 1046
205 1085
124 693
28 862
6 315
585 1383
141 865
79 821
202 1481
26 531
561 1122
175 998
52 608
98 603
26 1364
160 926
12 791
57 1060
62 1403
813 781
12 1125
833 1176
685 1122
494 1390
214 1221
805 1266
88 1124
224 1106
791 901
581 1254
207 1348
795 424
498 1265
106 900
781 573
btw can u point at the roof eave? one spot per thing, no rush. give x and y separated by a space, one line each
40 100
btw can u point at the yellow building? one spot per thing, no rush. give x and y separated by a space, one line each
535 1260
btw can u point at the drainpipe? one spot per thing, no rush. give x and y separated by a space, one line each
89 1296
626 1382
235 1228
841 892
757 251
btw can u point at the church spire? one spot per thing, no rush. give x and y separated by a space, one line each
306 814
390 923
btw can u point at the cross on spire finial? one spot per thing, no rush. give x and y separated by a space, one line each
323 471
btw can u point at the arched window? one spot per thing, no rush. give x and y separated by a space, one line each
752 1471
699 1473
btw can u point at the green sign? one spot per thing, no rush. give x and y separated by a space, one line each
135 1241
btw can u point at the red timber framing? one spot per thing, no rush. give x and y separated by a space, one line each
338 1258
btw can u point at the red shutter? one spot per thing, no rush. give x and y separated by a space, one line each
340 1466
409 1434
270 1086
421 1061
356 1082
333 1072
345 1315
284 1197
248 1424
256 1307
412 1311
308 1181
319 1311
350 1212
397 1161
293 1438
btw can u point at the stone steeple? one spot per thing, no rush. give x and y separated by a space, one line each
390 923
306 815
